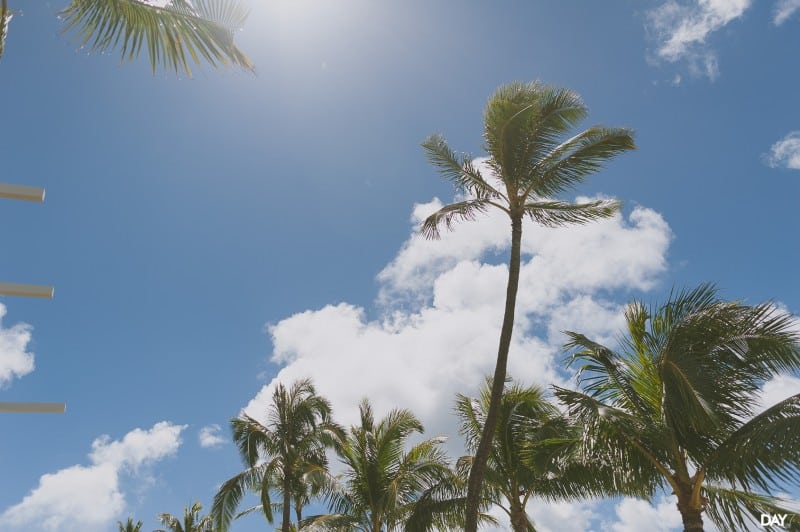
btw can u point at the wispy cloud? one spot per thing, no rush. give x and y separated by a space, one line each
785 9
15 359
88 498
786 152
680 31
210 436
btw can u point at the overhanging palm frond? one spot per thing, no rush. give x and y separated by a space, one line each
5 18
732 509
560 213
449 214
173 35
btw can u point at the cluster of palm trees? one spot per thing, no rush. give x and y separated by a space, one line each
674 407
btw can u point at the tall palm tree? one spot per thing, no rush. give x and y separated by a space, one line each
175 33
676 407
192 522
382 482
286 455
129 526
524 126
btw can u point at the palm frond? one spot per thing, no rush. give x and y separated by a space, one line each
560 213
604 374
764 452
449 214
570 162
232 491
520 119
5 18
173 35
732 509
634 451
459 170
327 522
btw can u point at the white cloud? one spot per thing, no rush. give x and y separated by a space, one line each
777 389
634 515
210 436
441 306
681 30
562 516
15 359
549 516
785 152
88 498
785 9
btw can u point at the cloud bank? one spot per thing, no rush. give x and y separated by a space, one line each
88 498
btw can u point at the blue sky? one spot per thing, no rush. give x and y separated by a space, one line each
208 236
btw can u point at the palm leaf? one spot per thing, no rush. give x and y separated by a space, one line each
173 34
449 214
763 452
5 18
604 374
232 491
458 170
559 213
569 163
732 509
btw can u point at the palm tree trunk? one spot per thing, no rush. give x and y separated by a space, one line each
286 525
692 518
298 512
478 469
519 521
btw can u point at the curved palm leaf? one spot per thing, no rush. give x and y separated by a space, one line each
449 214
461 171
560 213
